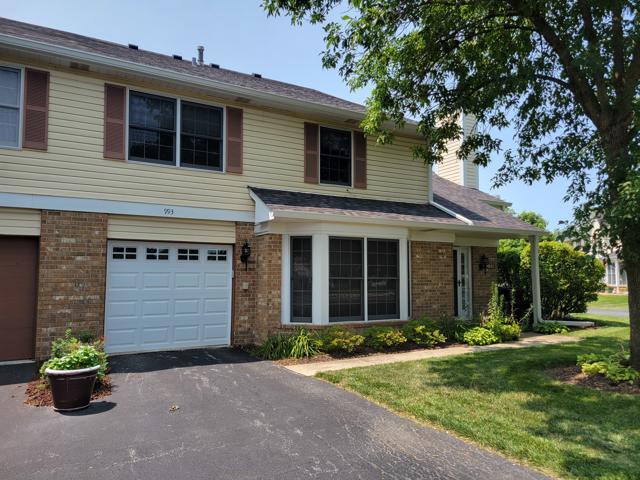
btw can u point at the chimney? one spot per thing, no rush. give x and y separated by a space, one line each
200 55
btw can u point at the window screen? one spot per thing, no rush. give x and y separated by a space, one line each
301 258
382 279
346 279
152 128
9 107
201 136
335 156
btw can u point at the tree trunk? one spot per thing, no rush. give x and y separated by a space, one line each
632 266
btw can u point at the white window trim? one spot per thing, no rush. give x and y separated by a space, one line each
351 173
21 68
178 119
320 276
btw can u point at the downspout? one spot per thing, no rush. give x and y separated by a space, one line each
535 279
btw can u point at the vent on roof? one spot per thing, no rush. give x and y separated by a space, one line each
177 57
257 75
214 65
351 121
133 46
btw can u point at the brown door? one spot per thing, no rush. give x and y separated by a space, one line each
18 267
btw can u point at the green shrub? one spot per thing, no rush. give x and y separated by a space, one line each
507 332
549 328
304 344
569 278
480 336
453 327
381 338
274 347
340 339
281 345
614 367
85 356
423 332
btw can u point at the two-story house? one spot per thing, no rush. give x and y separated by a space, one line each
169 203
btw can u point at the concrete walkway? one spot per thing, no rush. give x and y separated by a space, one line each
527 340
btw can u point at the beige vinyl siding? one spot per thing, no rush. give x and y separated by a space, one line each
125 227
19 221
74 165
470 169
462 172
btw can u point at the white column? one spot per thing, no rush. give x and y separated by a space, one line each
286 279
535 280
320 278
617 268
404 280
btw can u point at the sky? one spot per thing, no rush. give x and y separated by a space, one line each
238 35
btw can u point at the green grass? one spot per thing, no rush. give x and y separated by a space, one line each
503 400
611 302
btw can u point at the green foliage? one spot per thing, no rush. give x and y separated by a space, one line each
423 332
550 328
569 278
614 367
382 338
340 339
274 347
70 350
453 327
503 326
281 345
480 336
303 344
506 332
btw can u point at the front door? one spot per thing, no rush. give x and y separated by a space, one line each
461 282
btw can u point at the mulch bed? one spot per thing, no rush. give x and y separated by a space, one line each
573 375
38 392
366 352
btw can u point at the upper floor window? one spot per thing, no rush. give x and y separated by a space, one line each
201 136
9 107
335 156
172 132
152 128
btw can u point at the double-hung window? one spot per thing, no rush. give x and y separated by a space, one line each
172 132
335 156
152 128
10 83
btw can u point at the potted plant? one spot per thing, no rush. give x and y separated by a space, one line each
72 375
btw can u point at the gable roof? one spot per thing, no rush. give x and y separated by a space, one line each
80 43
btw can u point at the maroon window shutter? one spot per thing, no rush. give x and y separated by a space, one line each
36 109
234 140
360 155
311 154
114 121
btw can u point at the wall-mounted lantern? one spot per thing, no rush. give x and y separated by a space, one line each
245 253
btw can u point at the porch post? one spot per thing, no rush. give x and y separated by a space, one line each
535 280
617 269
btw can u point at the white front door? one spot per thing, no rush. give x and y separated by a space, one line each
167 295
462 280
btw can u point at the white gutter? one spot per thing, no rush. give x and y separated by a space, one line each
263 213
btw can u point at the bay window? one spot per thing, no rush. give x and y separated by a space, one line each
301 284
346 279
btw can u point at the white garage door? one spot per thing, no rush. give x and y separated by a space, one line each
166 296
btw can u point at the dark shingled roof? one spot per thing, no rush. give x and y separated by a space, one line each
468 202
167 62
355 207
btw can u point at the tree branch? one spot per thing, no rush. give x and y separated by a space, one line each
578 84
592 39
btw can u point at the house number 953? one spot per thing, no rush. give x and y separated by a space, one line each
169 211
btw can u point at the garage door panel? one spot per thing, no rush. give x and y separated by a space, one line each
181 301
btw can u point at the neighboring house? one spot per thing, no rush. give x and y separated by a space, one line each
168 203
615 277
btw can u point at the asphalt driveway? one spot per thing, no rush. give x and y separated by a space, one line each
236 419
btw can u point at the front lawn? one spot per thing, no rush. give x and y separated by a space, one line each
504 400
611 302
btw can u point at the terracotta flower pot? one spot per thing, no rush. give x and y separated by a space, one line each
71 389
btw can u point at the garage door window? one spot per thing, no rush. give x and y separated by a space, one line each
216 255
124 253
188 254
157 254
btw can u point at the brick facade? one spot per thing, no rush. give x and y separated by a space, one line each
257 287
482 281
431 279
72 275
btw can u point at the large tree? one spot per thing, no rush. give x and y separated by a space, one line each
563 73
